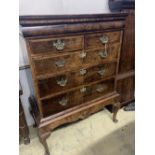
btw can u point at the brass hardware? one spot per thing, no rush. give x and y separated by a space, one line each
83 71
60 63
103 54
83 55
82 90
62 82
101 71
59 44
101 88
63 101
104 39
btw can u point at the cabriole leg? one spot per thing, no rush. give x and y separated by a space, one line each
42 138
116 107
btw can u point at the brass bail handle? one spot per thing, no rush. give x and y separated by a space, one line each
83 71
103 54
60 63
62 82
59 44
101 72
104 40
83 89
63 101
105 49
101 88
83 55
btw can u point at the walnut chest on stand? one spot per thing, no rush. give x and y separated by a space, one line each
74 61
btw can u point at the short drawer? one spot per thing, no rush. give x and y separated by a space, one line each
98 90
100 55
98 40
56 45
99 72
59 83
57 64
61 102
75 78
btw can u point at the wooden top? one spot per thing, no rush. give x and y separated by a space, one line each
38 20
34 25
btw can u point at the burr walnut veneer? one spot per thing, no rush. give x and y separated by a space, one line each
74 61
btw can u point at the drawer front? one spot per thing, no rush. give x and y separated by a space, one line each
73 79
59 83
61 102
99 72
56 45
99 56
57 64
99 40
80 96
75 60
98 90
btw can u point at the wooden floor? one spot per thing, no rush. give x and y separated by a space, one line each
96 135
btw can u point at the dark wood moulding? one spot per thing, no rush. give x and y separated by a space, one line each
56 24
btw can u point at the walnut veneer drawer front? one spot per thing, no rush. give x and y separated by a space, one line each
73 79
75 60
57 64
99 72
98 90
56 45
61 102
99 40
100 55
79 96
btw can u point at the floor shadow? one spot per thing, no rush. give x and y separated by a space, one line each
120 142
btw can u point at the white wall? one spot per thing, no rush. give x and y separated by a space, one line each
34 7
62 6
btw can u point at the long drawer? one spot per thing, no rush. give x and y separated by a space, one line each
75 60
79 96
73 79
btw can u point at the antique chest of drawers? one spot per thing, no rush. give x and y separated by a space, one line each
74 62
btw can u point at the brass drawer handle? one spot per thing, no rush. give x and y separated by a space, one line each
83 90
59 44
83 71
60 63
83 55
101 71
62 82
104 39
63 101
100 88
103 54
